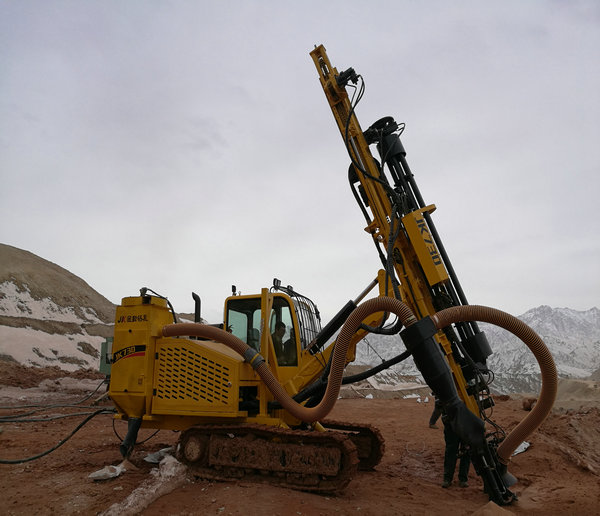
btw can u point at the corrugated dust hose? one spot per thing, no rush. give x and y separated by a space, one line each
534 343
350 327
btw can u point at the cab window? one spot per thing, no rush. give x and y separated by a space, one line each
281 325
243 320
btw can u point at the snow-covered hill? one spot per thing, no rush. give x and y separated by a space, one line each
573 338
48 316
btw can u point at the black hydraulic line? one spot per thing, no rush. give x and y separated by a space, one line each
93 392
48 418
137 442
318 386
7 418
60 443
144 293
133 427
392 330
8 407
374 370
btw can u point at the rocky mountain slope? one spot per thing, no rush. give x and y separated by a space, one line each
48 316
573 338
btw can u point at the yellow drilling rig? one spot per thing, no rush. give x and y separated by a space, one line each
251 395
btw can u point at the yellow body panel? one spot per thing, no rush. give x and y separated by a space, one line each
424 245
138 323
179 382
195 378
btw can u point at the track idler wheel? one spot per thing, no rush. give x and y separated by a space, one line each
193 447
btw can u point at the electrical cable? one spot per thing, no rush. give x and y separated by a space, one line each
8 417
394 197
48 418
356 98
94 391
137 442
143 291
8 407
316 389
60 443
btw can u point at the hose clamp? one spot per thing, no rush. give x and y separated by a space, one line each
253 357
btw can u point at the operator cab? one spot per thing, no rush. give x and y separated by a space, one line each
243 319
293 322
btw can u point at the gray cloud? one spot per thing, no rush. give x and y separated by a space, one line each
189 145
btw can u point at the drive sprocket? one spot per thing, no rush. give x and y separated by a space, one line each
368 440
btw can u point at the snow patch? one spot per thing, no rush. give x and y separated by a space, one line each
167 477
573 338
397 386
37 348
17 302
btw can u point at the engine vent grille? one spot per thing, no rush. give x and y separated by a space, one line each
185 375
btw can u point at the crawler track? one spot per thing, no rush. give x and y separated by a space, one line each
323 462
368 441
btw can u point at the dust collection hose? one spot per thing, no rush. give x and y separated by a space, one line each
538 348
350 327
440 320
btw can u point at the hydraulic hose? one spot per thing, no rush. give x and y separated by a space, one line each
547 366
352 324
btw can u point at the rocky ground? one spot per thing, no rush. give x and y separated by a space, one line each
558 474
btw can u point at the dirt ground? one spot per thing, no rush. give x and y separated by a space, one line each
558 474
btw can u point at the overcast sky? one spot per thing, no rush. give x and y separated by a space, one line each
189 146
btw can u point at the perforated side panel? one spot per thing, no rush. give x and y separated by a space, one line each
185 375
